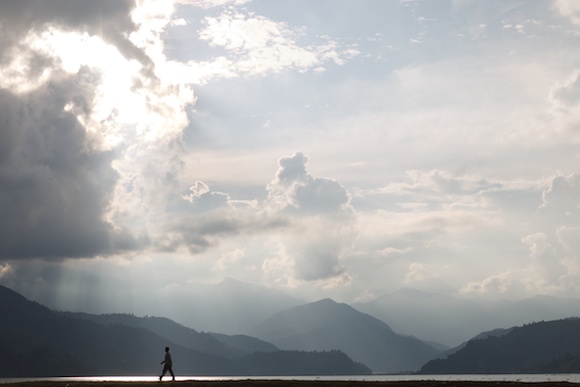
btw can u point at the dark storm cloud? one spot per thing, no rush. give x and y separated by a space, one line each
53 189
198 233
109 19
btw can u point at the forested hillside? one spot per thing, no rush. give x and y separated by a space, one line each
552 346
327 325
36 341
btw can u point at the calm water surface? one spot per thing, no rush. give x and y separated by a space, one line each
530 378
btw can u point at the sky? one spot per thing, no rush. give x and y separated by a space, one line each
328 148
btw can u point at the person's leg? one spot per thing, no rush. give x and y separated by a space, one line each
171 372
164 372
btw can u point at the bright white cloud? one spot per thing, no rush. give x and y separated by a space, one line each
257 45
212 3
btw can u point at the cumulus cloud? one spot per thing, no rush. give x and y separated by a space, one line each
294 188
307 220
495 284
54 188
322 224
563 111
94 75
90 147
204 199
561 200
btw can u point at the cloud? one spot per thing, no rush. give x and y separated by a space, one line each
204 199
552 265
92 150
567 94
206 4
255 45
495 284
294 188
109 19
564 111
561 200
55 189
418 273
569 9
322 222
307 220
198 233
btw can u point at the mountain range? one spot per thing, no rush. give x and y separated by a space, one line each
234 307
230 306
36 341
452 321
327 325
545 347
322 337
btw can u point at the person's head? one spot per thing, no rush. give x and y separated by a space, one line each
166 349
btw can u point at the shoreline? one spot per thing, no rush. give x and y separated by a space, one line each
284 383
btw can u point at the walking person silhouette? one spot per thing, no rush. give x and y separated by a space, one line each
168 365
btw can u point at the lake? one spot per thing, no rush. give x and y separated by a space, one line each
528 378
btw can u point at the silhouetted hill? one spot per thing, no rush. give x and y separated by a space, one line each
561 365
452 321
245 344
213 343
174 332
538 346
36 341
481 336
327 325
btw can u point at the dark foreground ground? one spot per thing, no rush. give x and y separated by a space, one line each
290 383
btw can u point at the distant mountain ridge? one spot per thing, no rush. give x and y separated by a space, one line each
327 325
452 321
36 341
547 347
215 344
229 307
39 342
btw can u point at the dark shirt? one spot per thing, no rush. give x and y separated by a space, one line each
167 360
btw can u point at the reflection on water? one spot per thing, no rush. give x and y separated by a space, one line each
528 378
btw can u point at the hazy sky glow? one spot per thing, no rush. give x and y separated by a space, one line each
339 149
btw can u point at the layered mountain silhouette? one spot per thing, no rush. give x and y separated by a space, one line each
36 341
547 347
327 325
213 343
452 321
322 337
230 307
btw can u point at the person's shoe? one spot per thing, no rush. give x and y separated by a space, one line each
160 378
